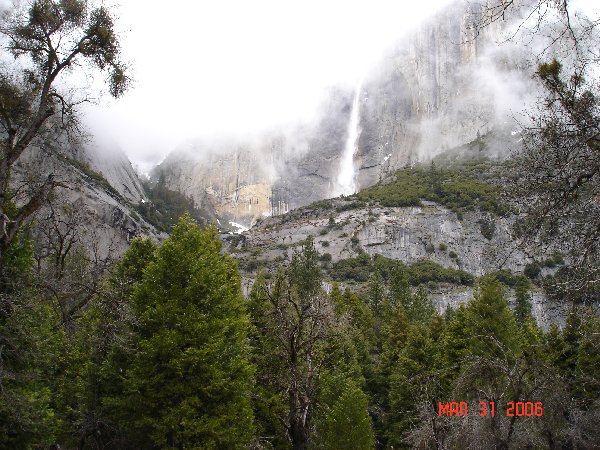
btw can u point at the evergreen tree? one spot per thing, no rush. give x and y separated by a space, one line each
412 382
453 348
522 301
189 382
294 320
269 403
104 345
399 287
32 364
588 359
309 379
345 422
490 320
376 295
32 355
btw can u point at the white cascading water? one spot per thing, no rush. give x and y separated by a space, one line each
346 180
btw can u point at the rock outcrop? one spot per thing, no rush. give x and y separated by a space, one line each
268 174
407 234
99 194
430 232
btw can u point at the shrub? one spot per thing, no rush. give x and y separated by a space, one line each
326 257
459 189
425 271
506 277
487 227
442 247
532 270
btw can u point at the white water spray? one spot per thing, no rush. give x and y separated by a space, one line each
346 180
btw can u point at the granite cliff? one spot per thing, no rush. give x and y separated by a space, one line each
440 87
97 196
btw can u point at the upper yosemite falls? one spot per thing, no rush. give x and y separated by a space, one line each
315 225
432 93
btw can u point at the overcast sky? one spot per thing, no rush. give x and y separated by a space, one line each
207 66
204 67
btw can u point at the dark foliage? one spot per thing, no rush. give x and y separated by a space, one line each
166 206
464 188
361 268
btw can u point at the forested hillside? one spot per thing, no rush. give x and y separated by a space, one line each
170 355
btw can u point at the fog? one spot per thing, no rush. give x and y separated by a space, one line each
229 68
202 68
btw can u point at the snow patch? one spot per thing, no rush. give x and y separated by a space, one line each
240 228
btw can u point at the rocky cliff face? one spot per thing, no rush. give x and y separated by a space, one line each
110 160
268 174
230 177
441 87
411 234
99 197
405 234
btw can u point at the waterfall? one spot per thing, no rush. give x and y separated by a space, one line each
345 184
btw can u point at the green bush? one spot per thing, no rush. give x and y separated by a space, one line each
488 228
357 269
506 277
532 270
360 268
555 260
326 257
457 188
425 271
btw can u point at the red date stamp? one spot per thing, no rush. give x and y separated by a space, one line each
511 409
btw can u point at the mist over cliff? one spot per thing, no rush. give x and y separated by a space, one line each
439 87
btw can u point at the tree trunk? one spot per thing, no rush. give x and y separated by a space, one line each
298 429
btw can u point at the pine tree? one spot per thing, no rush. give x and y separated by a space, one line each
399 287
269 403
294 323
412 382
588 359
453 348
376 294
189 382
491 322
106 342
345 421
522 301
